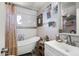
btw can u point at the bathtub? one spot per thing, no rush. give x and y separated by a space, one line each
27 45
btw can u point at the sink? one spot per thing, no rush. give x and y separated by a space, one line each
63 48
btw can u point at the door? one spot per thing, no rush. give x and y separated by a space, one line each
2 27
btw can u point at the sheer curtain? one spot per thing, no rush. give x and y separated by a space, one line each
10 42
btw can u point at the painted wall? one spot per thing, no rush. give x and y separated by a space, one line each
43 8
77 13
2 26
45 29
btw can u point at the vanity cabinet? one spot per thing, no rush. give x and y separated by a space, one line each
55 48
49 51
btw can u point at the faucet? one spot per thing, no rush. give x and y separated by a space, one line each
69 41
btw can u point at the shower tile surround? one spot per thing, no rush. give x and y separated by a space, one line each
26 33
27 28
20 37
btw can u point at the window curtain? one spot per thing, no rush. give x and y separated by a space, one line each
10 40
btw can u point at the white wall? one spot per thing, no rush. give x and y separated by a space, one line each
2 26
43 8
28 20
77 13
45 29
59 16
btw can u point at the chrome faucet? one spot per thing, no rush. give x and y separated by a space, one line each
69 41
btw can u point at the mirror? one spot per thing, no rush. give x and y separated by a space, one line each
68 17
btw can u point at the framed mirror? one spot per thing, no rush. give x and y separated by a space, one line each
68 17
40 20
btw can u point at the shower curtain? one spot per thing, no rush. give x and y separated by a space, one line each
10 39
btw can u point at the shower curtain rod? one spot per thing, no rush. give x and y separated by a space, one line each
21 6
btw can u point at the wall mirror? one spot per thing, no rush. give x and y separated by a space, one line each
40 20
68 17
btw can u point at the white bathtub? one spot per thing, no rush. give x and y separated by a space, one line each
27 45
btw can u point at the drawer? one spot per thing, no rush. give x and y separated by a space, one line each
52 51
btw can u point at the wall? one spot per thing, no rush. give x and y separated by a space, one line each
77 13
28 22
2 26
43 8
45 29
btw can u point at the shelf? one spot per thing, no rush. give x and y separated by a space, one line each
69 34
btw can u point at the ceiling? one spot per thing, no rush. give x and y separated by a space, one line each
32 5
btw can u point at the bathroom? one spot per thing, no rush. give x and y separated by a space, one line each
39 28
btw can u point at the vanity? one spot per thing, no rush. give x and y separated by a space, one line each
55 48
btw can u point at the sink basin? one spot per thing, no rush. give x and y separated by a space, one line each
63 48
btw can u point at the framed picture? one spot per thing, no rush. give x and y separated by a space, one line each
55 9
53 24
40 20
48 14
49 11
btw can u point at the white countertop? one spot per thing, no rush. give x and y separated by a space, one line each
64 48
